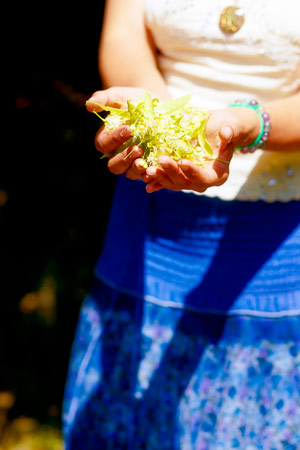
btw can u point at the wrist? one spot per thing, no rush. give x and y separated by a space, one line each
264 129
249 125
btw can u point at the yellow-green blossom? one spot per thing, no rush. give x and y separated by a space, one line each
171 128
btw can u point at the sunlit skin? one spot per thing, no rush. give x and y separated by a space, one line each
174 128
225 128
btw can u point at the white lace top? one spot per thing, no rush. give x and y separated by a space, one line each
261 60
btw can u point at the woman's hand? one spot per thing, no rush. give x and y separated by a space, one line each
106 141
225 129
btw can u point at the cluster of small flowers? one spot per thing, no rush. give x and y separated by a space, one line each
170 128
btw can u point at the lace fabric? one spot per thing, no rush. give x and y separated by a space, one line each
262 60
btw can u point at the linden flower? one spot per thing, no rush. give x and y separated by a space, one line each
113 121
170 128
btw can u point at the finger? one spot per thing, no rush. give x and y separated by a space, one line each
107 141
136 170
227 136
107 97
200 178
121 162
226 149
146 178
153 186
221 163
214 173
160 177
174 172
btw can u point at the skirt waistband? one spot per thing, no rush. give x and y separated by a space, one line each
201 253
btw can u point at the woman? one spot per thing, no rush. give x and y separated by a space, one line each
190 336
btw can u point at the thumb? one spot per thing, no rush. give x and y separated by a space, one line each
226 134
107 97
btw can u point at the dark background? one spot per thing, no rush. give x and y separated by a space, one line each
55 196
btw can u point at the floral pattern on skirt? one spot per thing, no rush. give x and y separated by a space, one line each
143 376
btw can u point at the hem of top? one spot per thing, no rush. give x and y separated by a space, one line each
176 305
239 198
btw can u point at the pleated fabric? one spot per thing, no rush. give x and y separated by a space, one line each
190 336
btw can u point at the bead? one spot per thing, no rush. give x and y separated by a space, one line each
263 135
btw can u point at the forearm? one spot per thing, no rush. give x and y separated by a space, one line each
285 124
126 54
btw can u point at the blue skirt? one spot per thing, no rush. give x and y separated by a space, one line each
190 337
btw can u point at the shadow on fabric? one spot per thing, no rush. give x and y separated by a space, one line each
113 417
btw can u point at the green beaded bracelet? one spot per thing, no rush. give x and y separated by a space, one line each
265 125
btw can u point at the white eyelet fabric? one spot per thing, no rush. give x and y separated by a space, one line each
261 61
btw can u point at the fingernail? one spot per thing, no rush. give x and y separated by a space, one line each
124 132
137 149
183 163
150 171
91 100
163 160
90 105
227 133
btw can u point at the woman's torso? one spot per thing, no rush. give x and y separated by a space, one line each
261 60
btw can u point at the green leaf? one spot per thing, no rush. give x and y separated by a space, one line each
131 109
110 108
202 139
146 100
172 105
169 128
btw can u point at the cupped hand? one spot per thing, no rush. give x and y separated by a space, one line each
107 141
223 131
